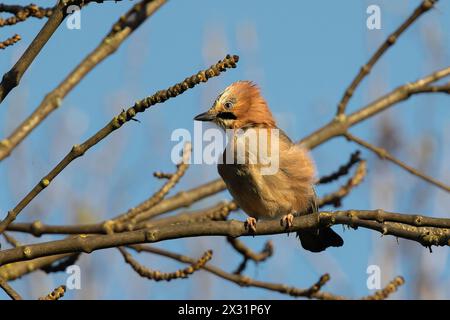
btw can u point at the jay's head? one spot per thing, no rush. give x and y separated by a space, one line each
240 105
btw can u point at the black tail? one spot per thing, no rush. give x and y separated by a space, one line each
319 240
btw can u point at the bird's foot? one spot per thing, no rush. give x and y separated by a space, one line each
250 224
287 221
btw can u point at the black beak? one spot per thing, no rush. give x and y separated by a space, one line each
205 116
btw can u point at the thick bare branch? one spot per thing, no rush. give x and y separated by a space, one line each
425 230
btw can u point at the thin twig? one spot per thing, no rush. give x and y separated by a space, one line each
343 170
383 154
184 199
389 289
246 252
11 240
335 198
364 71
166 276
218 212
445 88
21 13
249 254
163 191
9 290
56 294
162 175
10 41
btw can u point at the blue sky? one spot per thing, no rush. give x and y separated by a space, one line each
303 54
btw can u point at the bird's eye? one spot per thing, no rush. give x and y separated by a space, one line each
228 105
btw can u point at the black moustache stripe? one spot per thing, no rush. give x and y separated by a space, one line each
226 115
